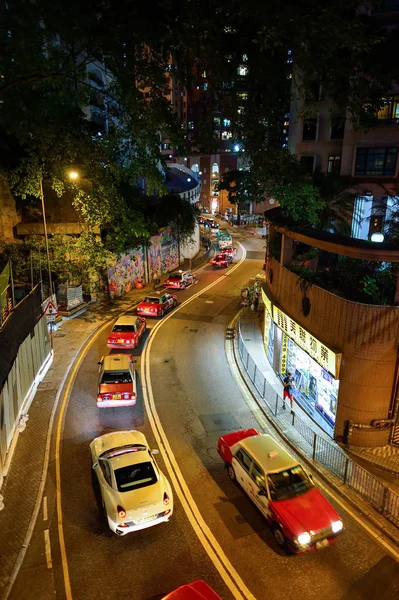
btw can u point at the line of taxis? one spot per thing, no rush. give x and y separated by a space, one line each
135 493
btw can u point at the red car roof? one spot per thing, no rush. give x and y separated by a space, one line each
198 590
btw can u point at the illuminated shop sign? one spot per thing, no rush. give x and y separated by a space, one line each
329 360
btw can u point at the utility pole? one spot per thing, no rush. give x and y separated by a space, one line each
46 237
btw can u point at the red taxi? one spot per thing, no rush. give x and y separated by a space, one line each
157 305
180 279
301 518
230 251
198 590
221 260
116 381
126 332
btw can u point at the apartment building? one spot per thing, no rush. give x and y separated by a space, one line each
369 158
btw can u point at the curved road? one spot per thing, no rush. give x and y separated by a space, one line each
196 399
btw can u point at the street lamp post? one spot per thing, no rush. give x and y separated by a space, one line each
46 237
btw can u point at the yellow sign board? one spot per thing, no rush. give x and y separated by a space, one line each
329 360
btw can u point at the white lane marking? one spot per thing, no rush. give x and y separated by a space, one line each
45 512
47 547
204 534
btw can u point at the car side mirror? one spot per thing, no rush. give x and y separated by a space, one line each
95 466
133 360
310 476
262 493
155 451
99 362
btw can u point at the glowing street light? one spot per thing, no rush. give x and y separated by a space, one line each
377 237
73 175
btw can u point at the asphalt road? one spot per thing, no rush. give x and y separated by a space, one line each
197 399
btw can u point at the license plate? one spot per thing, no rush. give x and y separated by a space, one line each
116 397
321 544
151 518
120 341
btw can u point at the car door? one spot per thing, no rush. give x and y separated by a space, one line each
168 301
258 489
242 463
105 479
139 328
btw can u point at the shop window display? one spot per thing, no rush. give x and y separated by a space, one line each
315 389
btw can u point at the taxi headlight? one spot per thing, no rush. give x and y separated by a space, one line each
304 539
336 526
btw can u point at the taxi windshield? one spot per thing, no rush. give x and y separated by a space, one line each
151 300
289 483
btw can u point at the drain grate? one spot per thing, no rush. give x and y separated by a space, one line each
193 330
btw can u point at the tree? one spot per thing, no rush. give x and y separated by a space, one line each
45 54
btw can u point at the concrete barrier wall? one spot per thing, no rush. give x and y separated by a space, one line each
29 367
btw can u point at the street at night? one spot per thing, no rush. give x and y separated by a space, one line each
195 400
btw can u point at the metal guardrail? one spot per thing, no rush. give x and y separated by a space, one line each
378 495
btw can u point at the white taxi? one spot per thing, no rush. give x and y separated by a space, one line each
135 493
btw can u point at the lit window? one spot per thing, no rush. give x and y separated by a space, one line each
216 121
242 70
226 135
243 96
226 122
240 110
191 124
215 168
244 57
204 74
205 86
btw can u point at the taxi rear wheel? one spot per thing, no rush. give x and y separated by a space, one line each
231 473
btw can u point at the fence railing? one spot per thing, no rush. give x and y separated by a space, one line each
378 495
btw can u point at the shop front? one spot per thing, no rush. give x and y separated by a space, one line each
315 368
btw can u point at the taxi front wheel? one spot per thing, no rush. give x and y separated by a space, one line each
279 536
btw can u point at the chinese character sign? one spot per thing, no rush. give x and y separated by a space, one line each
329 360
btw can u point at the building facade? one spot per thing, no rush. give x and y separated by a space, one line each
343 355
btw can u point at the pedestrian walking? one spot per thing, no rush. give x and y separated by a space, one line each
288 383
255 302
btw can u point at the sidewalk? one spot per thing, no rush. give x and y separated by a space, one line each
305 437
26 476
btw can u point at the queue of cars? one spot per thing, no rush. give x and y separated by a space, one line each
135 494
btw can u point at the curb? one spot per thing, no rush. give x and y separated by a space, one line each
328 478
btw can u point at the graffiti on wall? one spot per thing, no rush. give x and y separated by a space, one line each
162 256
163 253
124 270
